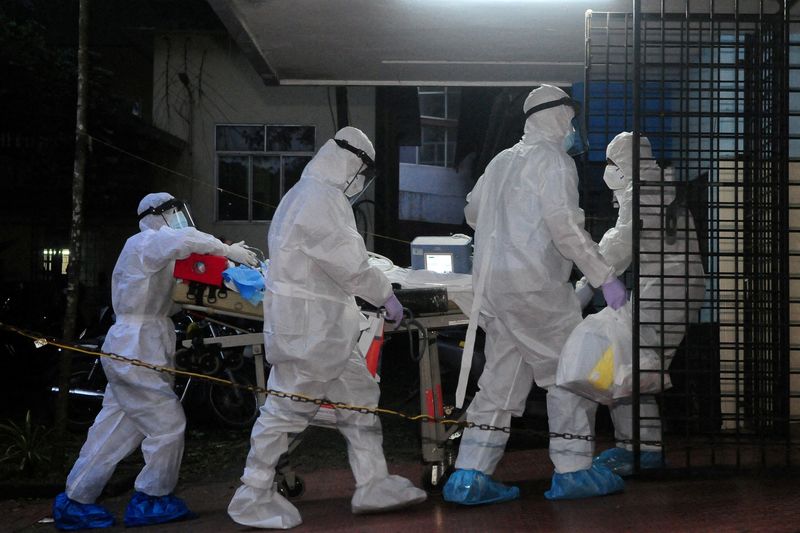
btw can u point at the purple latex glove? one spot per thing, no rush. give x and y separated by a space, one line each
394 310
614 293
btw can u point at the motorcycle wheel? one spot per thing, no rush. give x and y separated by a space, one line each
86 400
231 407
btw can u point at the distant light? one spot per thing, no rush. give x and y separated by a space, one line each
49 260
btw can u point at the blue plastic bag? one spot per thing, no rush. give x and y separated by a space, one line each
248 281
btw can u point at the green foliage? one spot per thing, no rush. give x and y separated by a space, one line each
26 445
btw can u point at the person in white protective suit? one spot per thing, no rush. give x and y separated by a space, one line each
529 231
139 405
667 304
318 263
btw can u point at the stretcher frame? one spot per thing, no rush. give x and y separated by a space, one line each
436 454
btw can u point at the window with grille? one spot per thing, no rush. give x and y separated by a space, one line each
256 165
438 109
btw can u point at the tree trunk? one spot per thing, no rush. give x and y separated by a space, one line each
76 228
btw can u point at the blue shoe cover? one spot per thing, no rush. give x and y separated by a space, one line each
620 460
594 481
144 510
472 487
69 515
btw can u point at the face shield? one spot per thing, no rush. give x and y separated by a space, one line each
174 212
575 142
365 175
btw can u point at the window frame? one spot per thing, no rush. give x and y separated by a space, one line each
249 155
450 125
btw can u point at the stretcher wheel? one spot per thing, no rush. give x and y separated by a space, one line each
435 476
296 491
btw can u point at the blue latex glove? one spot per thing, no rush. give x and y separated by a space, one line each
394 310
69 515
614 293
594 481
472 487
620 460
144 510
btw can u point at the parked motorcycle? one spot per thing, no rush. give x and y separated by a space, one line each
228 406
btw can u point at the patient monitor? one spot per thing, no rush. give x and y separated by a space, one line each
445 255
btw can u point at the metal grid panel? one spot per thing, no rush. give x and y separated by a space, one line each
718 94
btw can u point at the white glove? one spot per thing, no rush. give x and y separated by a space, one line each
239 254
584 292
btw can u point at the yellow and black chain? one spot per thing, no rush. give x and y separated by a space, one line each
41 341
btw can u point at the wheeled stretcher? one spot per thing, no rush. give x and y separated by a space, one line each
434 308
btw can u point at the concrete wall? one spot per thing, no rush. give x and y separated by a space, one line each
222 88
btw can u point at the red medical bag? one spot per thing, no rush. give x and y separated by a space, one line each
206 269
374 354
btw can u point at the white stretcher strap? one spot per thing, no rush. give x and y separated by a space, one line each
469 344
477 300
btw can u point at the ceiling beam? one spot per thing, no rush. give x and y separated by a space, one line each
239 32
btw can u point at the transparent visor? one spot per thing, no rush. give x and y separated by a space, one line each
357 187
174 212
176 219
365 175
575 143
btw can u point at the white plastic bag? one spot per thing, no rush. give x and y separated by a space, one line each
596 361
593 359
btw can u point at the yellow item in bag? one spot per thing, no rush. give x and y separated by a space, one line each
602 375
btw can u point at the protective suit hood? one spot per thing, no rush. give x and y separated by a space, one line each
152 200
552 124
336 166
620 151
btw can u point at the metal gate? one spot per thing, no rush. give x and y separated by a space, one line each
716 88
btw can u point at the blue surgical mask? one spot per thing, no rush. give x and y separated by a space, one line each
176 219
575 142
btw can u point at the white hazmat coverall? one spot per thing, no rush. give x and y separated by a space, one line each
139 405
666 305
528 232
318 262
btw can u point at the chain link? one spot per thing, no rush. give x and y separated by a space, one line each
40 341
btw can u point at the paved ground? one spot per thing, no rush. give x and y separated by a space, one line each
670 503
703 499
